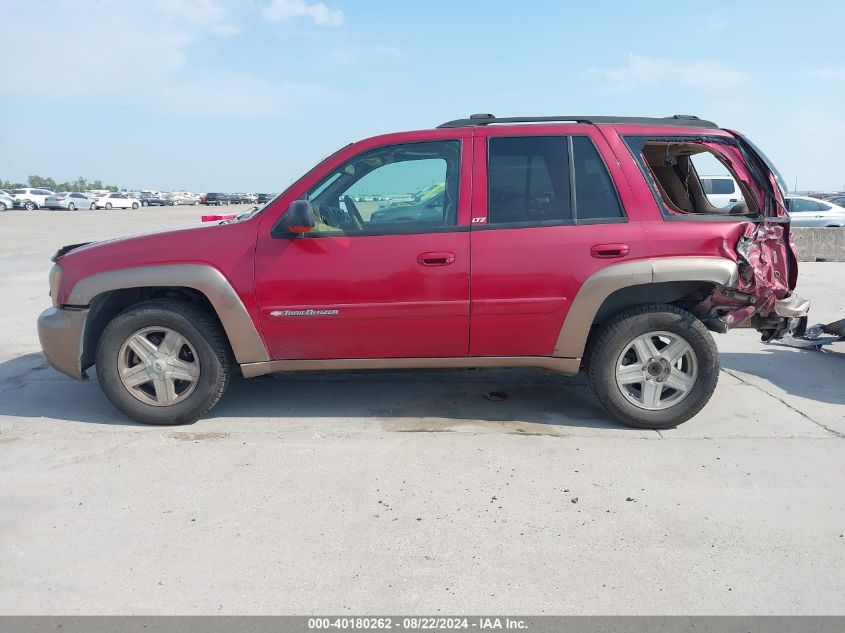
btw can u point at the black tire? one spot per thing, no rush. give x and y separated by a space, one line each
144 203
93 206
2 206
202 332
108 205
135 205
71 207
614 336
29 205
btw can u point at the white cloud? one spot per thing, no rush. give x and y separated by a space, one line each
136 53
648 72
284 10
836 74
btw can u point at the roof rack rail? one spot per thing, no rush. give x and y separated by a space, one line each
677 120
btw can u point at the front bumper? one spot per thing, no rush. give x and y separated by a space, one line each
61 333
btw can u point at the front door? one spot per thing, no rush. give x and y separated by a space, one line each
385 271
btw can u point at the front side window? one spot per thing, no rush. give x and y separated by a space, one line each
412 187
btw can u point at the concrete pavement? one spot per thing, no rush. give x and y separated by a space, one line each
409 492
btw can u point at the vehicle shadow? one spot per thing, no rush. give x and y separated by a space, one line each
812 374
537 401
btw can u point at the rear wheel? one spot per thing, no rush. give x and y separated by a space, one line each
163 362
71 207
144 203
2 206
29 205
93 206
653 366
108 205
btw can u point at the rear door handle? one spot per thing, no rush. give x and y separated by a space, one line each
436 258
609 251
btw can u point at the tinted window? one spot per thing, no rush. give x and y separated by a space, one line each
802 206
528 179
18 191
595 195
717 185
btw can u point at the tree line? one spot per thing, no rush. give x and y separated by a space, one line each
39 182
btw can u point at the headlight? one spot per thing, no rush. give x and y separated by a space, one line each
55 283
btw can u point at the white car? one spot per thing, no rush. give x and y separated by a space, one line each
6 201
812 212
117 201
70 200
721 191
30 198
183 197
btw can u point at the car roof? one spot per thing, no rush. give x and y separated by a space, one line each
676 120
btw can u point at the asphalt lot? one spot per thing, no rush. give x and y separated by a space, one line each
411 492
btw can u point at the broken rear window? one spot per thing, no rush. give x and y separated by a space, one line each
673 165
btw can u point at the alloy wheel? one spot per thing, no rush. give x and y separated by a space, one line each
158 366
656 370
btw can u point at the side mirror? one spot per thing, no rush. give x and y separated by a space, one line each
299 218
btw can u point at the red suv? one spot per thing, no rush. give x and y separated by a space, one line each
570 243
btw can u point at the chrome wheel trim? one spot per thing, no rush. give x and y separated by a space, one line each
158 366
656 370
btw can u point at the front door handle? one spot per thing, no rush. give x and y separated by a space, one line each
609 251
436 258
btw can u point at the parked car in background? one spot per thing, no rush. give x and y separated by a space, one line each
203 197
250 198
30 198
721 191
70 200
183 197
837 199
238 198
264 198
6 200
216 199
811 212
117 201
151 200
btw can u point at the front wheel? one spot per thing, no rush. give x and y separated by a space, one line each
2 206
29 205
135 205
108 205
163 362
93 206
71 207
144 203
653 366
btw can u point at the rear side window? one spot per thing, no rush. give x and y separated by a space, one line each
528 179
595 195
717 185
800 205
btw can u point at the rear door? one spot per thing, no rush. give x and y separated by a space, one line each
378 277
547 213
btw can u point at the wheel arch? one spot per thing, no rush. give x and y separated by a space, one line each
109 293
617 287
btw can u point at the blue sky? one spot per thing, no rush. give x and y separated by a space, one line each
247 95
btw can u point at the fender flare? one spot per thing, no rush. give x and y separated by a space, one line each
572 339
244 337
